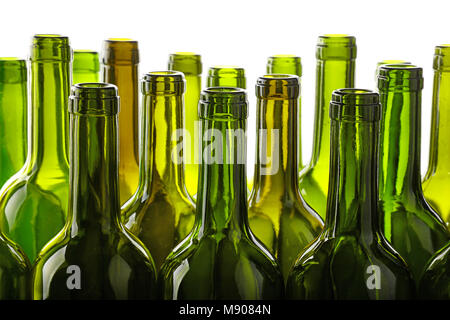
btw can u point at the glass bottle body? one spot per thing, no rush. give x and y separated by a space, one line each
435 281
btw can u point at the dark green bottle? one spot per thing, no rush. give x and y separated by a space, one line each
161 213
278 215
226 76
335 68
94 256
408 222
221 258
13 115
86 66
435 281
351 259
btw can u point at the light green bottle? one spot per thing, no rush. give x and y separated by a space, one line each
86 66
226 76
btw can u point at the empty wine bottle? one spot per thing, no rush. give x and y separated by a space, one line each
226 76
33 203
86 66
435 281
191 65
120 60
351 259
161 212
335 69
414 229
13 116
437 177
221 258
278 215
94 256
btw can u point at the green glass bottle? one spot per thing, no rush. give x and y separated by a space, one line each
13 115
226 76
86 66
33 203
120 62
94 256
351 259
437 177
161 212
278 215
435 281
408 222
221 258
388 61
290 64
191 65
335 69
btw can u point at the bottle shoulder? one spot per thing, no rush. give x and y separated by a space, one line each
435 281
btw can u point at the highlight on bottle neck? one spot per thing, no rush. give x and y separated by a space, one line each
163 83
187 62
400 77
12 70
278 86
441 61
226 76
94 99
336 47
223 104
50 47
280 63
355 105
122 51
86 61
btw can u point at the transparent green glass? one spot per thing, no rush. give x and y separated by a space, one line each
388 61
437 177
86 66
290 64
191 65
335 69
120 63
226 76
94 256
435 281
351 259
33 203
161 213
278 215
221 258
13 116
414 229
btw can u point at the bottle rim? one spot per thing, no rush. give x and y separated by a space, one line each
355 105
400 77
164 82
278 86
223 103
187 62
94 98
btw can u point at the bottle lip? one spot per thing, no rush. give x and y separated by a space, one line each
336 47
13 62
441 61
355 105
13 70
392 61
400 77
290 61
121 51
163 82
223 103
278 86
187 62
226 76
94 98
86 60
50 47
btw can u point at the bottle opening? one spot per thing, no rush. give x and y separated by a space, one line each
163 82
400 77
223 103
336 47
355 105
278 86
187 62
94 98
441 61
50 47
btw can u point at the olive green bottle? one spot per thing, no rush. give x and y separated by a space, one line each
191 65
351 259
13 116
33 203
435 281
161 212
414 229
437 177
335 69
94 256
226 76
278 215
221 258
120 62
86 66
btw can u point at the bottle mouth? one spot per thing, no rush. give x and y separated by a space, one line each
50 47
392 61
121 51
336 47
400 77
278 86
187 62
231 76
355 105
441 61
163 83
223 104
13 70
281 61
86 60
94 98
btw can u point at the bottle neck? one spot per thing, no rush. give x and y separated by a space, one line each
330 75
50 83
277 154
222 190
352 190
439 162
400 144
93 198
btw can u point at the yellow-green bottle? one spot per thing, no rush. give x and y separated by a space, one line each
191 65
86 66
226 76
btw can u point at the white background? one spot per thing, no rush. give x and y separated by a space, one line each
244 33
